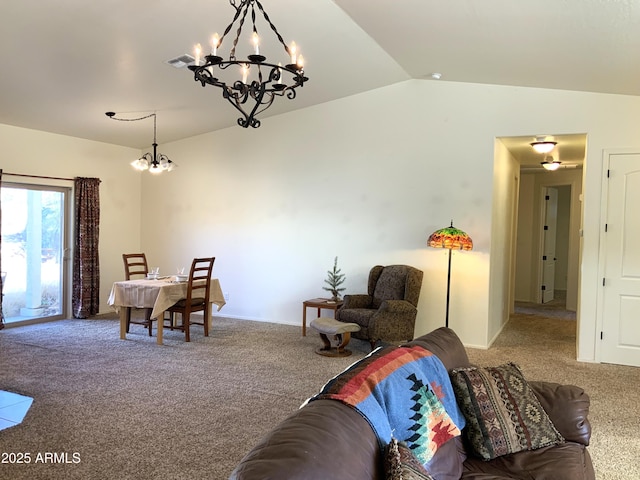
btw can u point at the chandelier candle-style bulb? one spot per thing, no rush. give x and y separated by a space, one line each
269 79
256 43
215 41
198 52
293 50
245 73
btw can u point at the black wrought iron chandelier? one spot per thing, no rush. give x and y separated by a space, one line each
154 162
261 81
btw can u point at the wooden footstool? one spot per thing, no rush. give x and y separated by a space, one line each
340 331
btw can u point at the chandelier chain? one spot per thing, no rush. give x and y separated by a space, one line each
235 40
273 27
156 162
132 119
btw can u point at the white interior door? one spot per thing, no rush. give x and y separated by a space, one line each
549 244
621 284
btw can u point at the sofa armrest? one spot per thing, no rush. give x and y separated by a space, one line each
568 409
356 301
324 439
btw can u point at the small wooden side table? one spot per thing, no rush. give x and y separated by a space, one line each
320 304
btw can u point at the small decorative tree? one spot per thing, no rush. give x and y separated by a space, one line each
334 280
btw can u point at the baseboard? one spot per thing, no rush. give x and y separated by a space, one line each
257 319
495 337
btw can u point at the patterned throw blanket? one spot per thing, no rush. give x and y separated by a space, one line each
404 393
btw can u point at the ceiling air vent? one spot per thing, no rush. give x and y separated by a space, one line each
181 61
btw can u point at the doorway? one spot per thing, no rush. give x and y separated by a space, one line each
547 253
34 252
532 178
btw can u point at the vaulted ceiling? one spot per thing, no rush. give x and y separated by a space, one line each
67 62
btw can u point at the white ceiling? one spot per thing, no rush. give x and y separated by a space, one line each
66 62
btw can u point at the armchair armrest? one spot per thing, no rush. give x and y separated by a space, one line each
397 306
394 321
567 407
357 301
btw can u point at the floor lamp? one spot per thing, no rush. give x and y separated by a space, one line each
450 238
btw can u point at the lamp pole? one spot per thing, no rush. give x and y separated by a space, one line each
446 323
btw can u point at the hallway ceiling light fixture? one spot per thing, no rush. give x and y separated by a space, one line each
543 146
550 164
261 81
154 162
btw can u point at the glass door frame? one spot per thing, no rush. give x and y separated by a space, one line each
65 252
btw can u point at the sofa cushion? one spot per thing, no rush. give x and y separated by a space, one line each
447 462
568 460
401 464
503 414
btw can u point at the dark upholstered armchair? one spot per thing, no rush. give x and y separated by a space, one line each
388 311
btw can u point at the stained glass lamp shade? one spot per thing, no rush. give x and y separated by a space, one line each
451 238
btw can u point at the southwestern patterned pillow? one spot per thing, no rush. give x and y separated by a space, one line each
401 464
502 412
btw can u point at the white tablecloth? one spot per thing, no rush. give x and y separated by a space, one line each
156 294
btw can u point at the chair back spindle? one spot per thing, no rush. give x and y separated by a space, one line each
135 264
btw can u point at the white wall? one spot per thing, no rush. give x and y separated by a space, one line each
525 285
506 177
32 152
366 178
278 203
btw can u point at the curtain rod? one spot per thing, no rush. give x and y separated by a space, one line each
37 176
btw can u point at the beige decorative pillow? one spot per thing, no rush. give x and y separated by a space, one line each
503 414
401 464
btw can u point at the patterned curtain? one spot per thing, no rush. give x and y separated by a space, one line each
86 263
1 280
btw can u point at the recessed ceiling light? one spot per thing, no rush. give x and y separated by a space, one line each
436 76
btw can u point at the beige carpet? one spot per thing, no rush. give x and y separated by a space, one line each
134 410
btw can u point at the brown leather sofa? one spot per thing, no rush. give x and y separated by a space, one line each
328 440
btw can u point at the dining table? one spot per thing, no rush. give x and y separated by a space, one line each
158 295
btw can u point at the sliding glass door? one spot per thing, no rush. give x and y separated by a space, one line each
34 252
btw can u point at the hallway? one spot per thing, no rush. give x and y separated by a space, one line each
554 309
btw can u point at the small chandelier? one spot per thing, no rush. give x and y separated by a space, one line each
156 162
261 81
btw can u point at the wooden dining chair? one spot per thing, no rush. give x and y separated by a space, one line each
135 265
197 300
